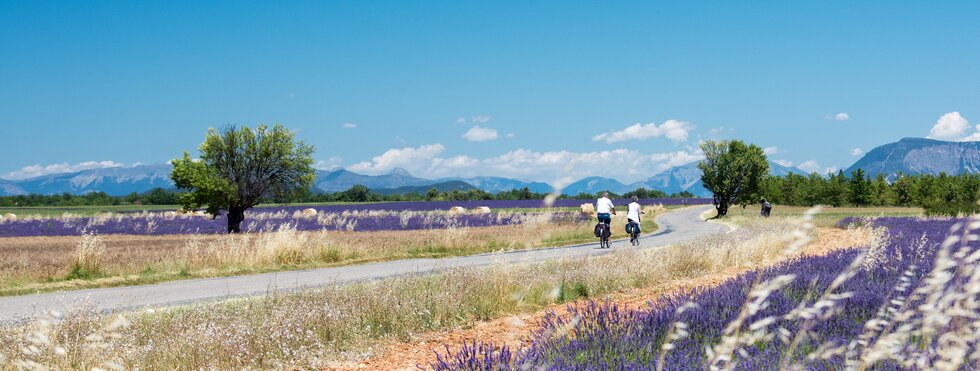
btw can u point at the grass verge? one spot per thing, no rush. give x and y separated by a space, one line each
828 216
43 264
314 328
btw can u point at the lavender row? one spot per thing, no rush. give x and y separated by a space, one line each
159 224
492 204
608 337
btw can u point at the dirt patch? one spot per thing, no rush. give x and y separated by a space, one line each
514 330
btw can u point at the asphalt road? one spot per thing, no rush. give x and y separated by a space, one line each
675 227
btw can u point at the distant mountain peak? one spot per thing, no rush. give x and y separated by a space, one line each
399 171
915 156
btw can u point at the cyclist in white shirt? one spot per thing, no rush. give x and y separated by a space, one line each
633 212
603 207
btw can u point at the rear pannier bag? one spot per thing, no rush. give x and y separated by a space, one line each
631 226
598 229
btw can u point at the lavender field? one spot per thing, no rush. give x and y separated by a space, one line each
352 217
909 301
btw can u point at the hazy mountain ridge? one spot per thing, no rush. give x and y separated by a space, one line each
113 180
916 156
909 155
447 186
342 180
494 184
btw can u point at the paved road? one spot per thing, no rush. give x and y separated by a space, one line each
676 226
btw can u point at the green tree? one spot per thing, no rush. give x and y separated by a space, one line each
733 171
903 190
860 189
356 193
881 192
239 167
836 191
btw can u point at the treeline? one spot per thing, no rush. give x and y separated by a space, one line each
156 196
938 194
359 193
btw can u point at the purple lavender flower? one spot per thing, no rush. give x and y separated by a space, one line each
608 337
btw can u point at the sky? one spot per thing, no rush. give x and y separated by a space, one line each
543 90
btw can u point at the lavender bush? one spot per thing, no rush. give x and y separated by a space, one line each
904 302
349 217
493 204
160 224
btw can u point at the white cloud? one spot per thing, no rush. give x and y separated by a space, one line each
39 170
972 137
786 163
843 116
672 129
772 150
510 135
460 120
856 151
406 157
553 167
480 119
479 134
954 127
809 166
718 130
329 164
349 125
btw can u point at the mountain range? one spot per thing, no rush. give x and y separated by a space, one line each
909 156
673 180
915 156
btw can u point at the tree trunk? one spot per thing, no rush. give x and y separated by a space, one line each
235 217
722 208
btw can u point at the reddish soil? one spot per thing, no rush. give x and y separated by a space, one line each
513 330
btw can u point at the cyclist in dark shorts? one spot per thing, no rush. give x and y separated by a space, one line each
603 207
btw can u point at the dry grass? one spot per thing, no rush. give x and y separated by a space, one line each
37 264
828 216
316 328
513 331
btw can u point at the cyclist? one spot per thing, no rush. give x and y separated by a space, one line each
633 217
766 208
603 207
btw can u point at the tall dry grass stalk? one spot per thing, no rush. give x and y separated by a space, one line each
313 328
89 256
935 326
44 263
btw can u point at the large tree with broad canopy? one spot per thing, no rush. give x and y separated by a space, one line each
240 167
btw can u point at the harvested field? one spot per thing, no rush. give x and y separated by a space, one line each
33 264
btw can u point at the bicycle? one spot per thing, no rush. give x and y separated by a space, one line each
604 236
634 233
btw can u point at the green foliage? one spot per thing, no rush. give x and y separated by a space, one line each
77 272
938 194
241 167
568 292
859 189
156 196
733 171
644 193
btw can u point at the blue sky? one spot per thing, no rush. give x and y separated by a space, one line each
535 84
